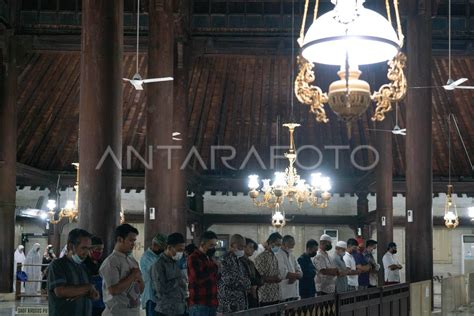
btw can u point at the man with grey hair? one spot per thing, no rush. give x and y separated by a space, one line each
149 258
325 268
234 281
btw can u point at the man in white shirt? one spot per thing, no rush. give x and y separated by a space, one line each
349 260
391 265
326 270
290 271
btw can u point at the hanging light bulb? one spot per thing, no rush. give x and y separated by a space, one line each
451 218
278 217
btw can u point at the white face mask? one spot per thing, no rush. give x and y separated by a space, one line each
178 256
239 253
77 259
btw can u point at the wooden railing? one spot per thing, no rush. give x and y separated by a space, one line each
390 300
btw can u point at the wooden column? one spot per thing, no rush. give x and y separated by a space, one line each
100 118
8 141
419 233
384 176
158 179
180 114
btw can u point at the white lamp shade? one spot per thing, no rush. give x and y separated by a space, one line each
279 180
51 204
326 184
471 211
370 39
316 180
253 182
69 205
301 185
450 216
266 185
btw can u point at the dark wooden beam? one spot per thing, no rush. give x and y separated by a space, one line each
159 122
101 118
8 145
419 178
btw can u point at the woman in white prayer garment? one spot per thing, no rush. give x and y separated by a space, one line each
19 257
33 272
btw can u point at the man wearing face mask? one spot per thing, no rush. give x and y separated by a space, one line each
169 282
391 265
267 265
93 262
325 267
202 277
123 281
234 281
290 270
306 285
354 269
341 281
70 291
370 246
149 258
255 277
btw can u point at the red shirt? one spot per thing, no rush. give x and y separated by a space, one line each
202 277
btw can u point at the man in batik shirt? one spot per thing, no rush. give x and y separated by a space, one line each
267 265
234 281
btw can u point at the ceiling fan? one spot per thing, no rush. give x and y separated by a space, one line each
396 129
174 135
450 84
137 81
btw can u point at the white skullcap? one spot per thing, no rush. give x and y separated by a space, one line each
341 244
325 237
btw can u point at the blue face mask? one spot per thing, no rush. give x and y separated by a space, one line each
275 249
77 259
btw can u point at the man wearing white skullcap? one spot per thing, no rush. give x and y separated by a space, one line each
341 281
326 271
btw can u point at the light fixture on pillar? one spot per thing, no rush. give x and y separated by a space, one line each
70 210
349 36
451 218
288 185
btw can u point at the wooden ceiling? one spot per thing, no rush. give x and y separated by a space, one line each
234 100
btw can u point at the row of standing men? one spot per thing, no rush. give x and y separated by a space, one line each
170 281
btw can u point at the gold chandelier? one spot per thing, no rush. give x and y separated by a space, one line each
289 185
349 36
70 210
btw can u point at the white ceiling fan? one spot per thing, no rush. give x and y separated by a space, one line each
450 84
137 81
396 129
174 135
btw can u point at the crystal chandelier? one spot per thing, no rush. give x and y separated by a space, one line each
289 185
70 210
349 36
